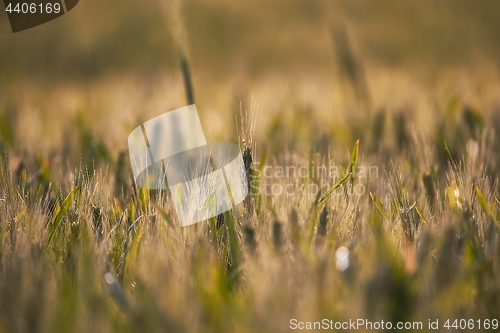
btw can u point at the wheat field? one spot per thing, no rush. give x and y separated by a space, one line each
369 134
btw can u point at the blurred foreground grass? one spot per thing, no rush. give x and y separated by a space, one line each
82 249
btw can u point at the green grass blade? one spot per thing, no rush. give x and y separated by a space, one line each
131 213
56 221
421 215
333 188
117 246
354 159
234 242
379 205
144 198
483 202
255 181
133 251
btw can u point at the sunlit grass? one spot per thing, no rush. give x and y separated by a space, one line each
82 249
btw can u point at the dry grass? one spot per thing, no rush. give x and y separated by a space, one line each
82 249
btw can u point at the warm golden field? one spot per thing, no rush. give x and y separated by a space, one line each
82 249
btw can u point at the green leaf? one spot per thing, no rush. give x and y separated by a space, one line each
483 202
131 213
117 245
144 197
333 188
56 221
133 252
256 181
354 159
234 242
379 205
421 216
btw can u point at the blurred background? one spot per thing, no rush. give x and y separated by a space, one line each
113 63
417 82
